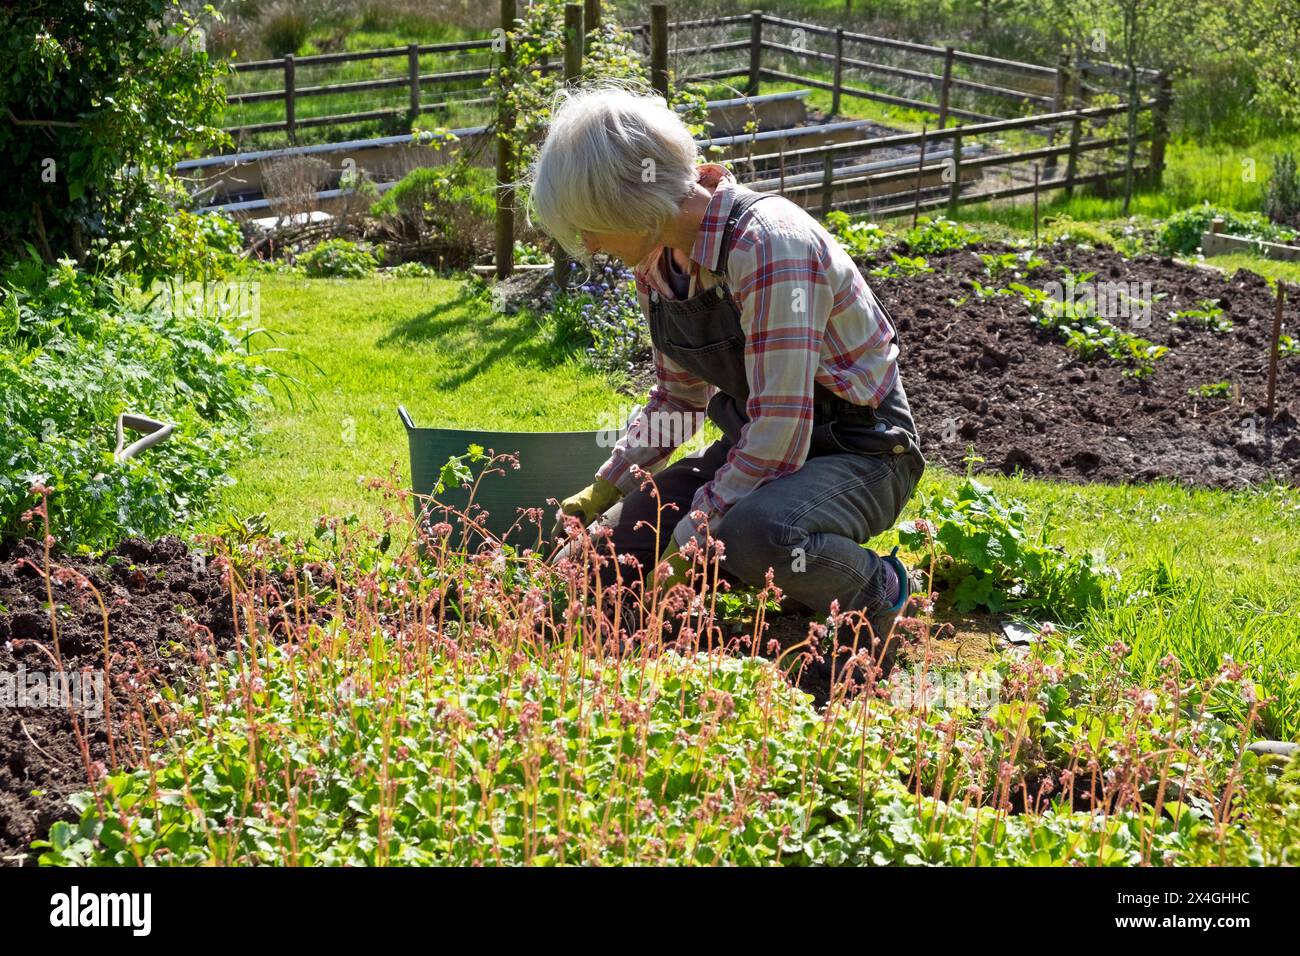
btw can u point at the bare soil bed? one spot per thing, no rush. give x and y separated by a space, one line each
983 374
152 592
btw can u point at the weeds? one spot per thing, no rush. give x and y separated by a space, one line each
1088 333
1208 314
74 354
985 557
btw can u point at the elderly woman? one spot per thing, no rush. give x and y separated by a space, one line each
759 319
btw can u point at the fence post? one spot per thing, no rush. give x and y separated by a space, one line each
659 48
946 87
573 37
1076 129
755 51
290 117
573 42
1058 106
505 244
413 73
780 147
1160 128
920 168
954 188
828 182
591 19
838 82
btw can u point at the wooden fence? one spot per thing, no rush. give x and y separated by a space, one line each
1001 128
415 86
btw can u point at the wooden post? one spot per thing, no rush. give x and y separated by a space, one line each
413 78
1035 206
755 52
920 166
573 42
946 88
659 48
1160 128
780 146
505 239
573 37
290 117
1058 105
954 188
1076 130
1273 348
591 17
837 84
828 183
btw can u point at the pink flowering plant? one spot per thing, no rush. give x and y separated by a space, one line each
417 694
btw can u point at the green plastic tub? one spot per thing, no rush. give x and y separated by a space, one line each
551 465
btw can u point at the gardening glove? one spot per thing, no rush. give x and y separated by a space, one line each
587 504
678 565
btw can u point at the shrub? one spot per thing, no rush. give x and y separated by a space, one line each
284 28
200 247
1282 204
1182 232
74 354
339 258
97 89
453 203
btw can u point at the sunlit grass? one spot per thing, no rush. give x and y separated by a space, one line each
361 348
438 348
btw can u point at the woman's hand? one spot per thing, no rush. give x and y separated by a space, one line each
587 504
678 566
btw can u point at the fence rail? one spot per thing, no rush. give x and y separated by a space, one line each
972 152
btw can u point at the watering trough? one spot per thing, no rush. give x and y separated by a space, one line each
551 465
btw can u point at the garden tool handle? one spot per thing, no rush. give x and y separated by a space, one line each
154 432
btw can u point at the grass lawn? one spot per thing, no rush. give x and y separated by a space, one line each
362 347
1206 573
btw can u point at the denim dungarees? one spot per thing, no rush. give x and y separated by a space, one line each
704 336
808 526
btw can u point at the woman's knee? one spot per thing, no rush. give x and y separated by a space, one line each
754 540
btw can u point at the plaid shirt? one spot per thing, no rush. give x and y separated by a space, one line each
808 316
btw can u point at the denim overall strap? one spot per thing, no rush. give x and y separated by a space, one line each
703 334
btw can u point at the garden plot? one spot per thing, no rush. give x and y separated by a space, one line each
164 606
983 371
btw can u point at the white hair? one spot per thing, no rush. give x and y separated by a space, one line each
614 160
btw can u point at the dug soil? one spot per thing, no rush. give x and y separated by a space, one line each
981 373
162 606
